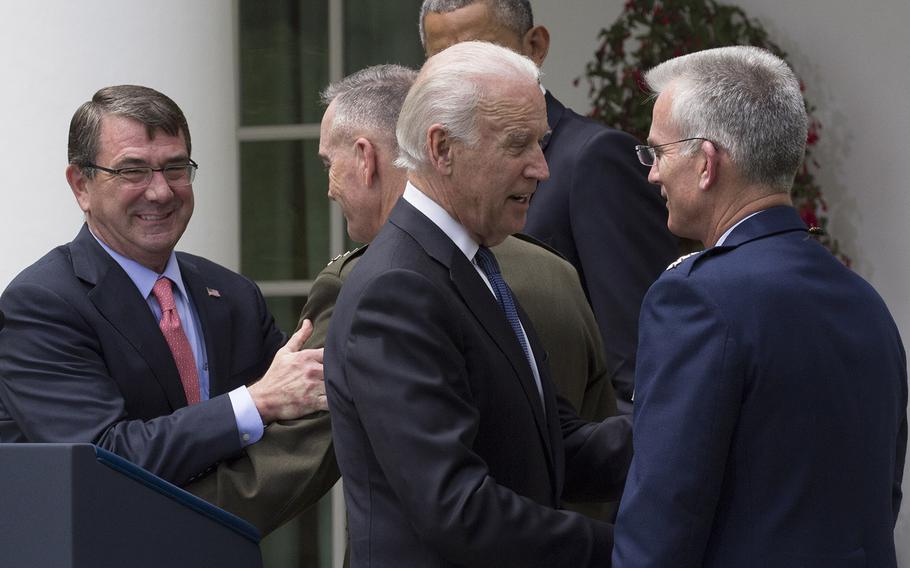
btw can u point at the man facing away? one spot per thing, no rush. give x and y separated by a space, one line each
770 422
117 340
453 446
293 465
597 208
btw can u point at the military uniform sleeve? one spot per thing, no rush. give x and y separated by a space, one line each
293 465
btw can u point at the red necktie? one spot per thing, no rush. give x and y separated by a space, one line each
176 339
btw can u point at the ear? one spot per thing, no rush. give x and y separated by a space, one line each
365 155
439 144
711 169
79 185
536 44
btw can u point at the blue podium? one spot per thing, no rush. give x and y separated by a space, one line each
78 506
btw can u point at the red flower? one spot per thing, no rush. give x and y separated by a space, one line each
812 135
807 212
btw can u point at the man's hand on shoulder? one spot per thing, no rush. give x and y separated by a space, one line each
293 386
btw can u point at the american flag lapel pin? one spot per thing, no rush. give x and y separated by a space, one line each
213 292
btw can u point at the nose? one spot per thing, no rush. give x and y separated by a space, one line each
538 169
158 188
654 175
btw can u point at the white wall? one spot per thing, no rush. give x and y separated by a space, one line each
853 59
54 54
573 41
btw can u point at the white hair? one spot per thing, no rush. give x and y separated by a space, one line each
448 91
744 99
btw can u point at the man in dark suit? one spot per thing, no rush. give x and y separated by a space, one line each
452 444
597 209
271 482
770 421
117 340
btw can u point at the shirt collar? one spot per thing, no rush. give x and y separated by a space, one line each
441 218
726 234
144 278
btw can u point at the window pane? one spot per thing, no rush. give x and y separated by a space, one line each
284 225
283 60
381 32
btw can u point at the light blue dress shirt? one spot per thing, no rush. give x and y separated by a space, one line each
249 423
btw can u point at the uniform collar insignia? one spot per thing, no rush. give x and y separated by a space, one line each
344 255
679 260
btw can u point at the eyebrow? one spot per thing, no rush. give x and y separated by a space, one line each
519 136
128 161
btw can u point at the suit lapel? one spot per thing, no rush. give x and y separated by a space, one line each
477 297
554 440
215 318
116 298
483 305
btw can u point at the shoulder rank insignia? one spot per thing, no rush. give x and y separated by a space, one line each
338 257
343 255
679 260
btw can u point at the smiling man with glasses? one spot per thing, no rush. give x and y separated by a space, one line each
164 358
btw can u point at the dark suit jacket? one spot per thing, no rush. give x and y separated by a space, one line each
82 360
294 465
447 452
599 211
770 422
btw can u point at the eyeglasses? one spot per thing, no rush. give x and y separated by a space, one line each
135 177
648 155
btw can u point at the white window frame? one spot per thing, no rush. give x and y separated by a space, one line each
337 240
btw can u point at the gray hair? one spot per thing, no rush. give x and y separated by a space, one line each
450 87
153 109
515 15
370 99
747 101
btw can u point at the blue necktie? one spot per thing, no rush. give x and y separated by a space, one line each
487 262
